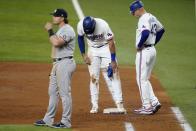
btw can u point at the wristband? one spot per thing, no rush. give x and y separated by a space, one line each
50 32
113 56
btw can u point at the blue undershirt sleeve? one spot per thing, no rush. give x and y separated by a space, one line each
81 44
159 35
144 37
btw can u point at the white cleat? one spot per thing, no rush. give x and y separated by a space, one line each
144 111
94 110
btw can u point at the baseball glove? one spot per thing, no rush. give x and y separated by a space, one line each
110 71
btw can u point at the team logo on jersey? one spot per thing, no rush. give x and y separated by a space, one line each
94 37
109 34
143 26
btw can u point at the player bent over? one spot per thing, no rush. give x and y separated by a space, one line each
101 54
148 34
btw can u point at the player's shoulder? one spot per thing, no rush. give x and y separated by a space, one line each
145 16
80 26
80 22
67 29
150 16
70 28
101 21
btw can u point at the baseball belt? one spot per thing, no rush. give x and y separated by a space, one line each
148 45
59 59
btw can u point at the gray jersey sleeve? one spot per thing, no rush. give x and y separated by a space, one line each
65 34
67 49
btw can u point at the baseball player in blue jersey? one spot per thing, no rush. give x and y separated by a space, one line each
149 32
63 45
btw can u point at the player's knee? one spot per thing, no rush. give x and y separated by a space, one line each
52 93
93 80
143 79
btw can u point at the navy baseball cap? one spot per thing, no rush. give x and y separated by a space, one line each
135 5
59 13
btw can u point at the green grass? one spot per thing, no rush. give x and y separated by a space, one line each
176 64
28 128
23 38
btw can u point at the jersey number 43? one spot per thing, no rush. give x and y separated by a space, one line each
154 28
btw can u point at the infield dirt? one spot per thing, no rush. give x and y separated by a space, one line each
24 99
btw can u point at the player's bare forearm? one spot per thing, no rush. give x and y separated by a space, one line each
86 59
56 41
114 66
112 46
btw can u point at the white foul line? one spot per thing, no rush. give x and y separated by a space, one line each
129 126
183 123
78 9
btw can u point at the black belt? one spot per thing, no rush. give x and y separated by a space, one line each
59 59
148 45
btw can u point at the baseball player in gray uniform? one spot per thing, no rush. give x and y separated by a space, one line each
148 34
63 45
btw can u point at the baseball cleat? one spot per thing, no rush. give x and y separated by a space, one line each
156 107
144 111
60 125
40 123
94 110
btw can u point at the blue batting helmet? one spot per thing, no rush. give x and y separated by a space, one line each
136 5
89 25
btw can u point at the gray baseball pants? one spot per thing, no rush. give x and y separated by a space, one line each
60 87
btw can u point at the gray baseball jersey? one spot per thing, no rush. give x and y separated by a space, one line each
67 33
